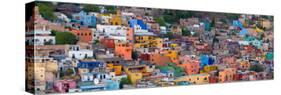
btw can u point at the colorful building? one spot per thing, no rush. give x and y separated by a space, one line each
63 86
147 40
191 67
85 19
84 34
227 75
195 79
124 50
116 19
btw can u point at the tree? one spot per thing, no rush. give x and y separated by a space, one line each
124 81
170 19
160 21
256 68
91 8
65 37
185 32
178 71
135 55
110 9
96 42
212 23
69 72
233 16
169 35
47 10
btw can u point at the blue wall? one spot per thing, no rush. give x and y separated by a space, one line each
134 22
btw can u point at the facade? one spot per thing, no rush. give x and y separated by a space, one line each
85 19
124 50
195 79
84 34
39 33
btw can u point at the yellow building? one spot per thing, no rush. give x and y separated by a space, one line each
195 79
147 41
83 70
134 77
135 68
267 24
173 54
174 45
210 68
51 66
39 71
227 75
159 42
116 68
116 19
136 72
39 66
245 65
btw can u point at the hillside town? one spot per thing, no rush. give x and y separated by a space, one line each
81 47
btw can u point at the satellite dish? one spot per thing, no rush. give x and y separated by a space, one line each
96 81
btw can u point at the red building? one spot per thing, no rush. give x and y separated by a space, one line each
108 43
84 34
145 57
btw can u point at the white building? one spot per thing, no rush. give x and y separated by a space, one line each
111 31
40 37
80 54
39 32
163 29
76 52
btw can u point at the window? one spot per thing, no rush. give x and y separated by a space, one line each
205 78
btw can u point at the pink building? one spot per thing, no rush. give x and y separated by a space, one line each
63 86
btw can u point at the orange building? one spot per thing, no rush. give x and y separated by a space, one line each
159 59
84 34
191 67
244 65
173 55
124 50
130 34
227 75
115 67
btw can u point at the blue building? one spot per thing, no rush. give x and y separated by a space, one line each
205 60
84 19
243 32
207 25
90 86
237 23
183 83
134 22
112 85
91 64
